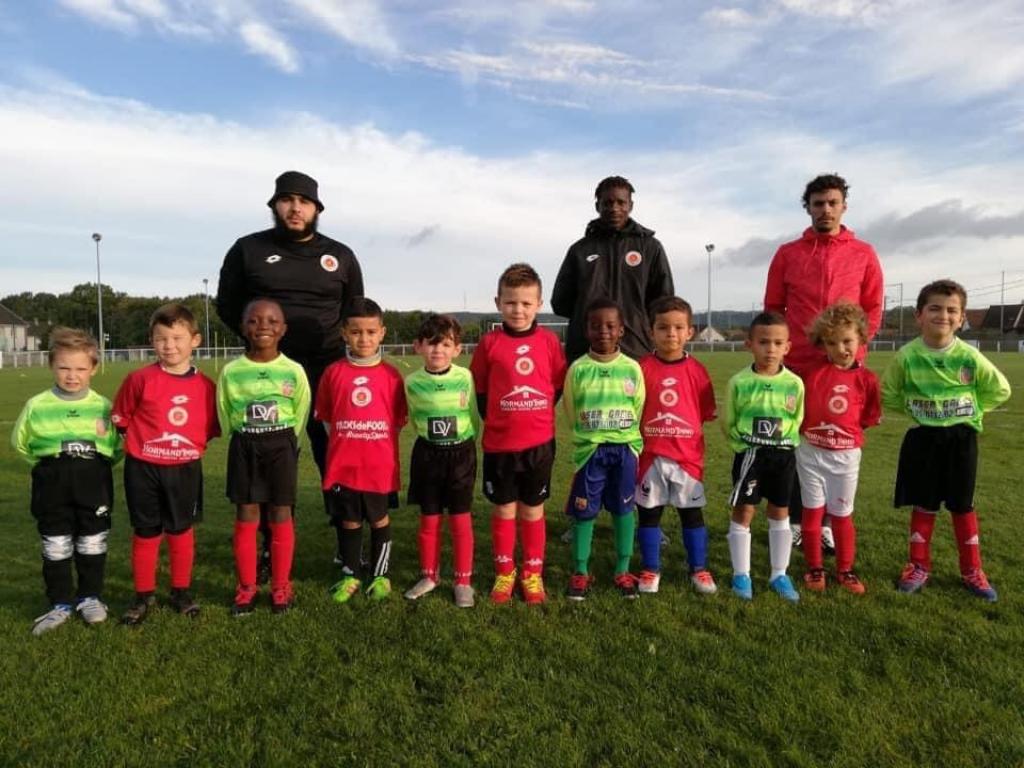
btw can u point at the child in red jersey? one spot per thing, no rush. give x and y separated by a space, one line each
519 370
361 402
671 470
841 401
166 412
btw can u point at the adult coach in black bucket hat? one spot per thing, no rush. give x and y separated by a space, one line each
310 275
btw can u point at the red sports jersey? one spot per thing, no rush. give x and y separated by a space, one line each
364 407
679 400
839 405
519 374
166 418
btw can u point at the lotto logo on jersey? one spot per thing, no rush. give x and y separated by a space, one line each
633 258
362 396
629 386
329 263
524 366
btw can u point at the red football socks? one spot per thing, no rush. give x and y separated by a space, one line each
846 542
810 527
533 534
282 550
503 537
922 523
181 550
965 528
145 554
245 552
429 539
461 527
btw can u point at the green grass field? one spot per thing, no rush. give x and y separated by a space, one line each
670 679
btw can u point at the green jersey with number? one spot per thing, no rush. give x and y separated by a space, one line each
441 405
764 410
50 425
942 387
604 401
259 397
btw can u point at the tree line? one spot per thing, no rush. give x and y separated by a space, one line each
126 318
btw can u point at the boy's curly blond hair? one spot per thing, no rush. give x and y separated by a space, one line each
834 317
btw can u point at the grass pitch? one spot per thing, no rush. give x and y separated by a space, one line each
670 679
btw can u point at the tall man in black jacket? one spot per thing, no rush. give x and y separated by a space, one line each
616 258
311 276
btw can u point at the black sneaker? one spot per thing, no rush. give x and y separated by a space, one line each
579 586
245 600
139 610
182 601
263 572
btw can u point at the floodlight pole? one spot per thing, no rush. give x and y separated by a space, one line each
96 237
710 247
206 298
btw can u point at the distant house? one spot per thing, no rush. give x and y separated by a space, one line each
973 319
14 335
707 333
1010 316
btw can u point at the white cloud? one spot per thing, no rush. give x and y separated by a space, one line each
105 12
266 42
360 23
432 224
729 17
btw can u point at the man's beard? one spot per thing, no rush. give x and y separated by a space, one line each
281 229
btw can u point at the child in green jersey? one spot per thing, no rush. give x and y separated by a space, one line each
263 400
65 433
945 385
763 411
604 397
442 472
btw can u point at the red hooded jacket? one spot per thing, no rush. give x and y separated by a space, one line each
815 271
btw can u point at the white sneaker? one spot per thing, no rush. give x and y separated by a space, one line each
828 541
703 582
424 586
649 582
92 610
52 619
464 596
798 536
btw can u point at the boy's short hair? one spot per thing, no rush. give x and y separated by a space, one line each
834 317
944 287
170 314
519 275
603 302
262 300
670 304
766 319
361 306
823 183
64 339
613 182
436 328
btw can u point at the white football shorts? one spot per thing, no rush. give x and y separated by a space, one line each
828 478
668 483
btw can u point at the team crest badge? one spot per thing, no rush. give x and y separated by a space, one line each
790 402
668 397
633 258
838 404
177 416
101 427
581 503
329 263
361 396
524 366
966 375
629 386
463 399
287 388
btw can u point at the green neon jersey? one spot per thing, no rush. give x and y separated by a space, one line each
604 401
50 425
764 410
442 405
262 397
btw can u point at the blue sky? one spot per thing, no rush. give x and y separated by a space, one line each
452 137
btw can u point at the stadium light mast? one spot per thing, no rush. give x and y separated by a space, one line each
710 247
206 300
96 237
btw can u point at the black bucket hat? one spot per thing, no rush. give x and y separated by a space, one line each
296 183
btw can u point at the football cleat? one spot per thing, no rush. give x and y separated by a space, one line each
504 584
52 619
649 582
628 585
814 579
424 586
245 600
977 584
912 579
783 587
579 586
742 587
92 610
703 582
345 589
532 588
851 582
